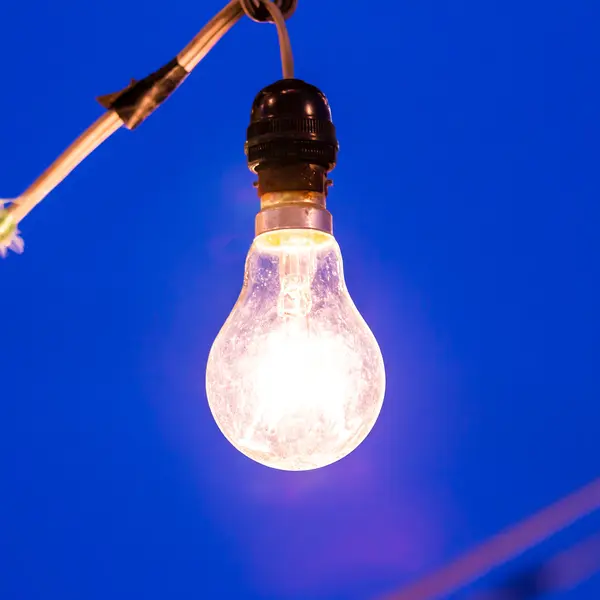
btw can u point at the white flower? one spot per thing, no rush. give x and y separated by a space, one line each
9 234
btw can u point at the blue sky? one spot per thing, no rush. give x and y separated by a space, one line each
466 206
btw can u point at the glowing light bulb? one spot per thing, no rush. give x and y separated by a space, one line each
295 378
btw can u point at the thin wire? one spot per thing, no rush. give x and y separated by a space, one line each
562 572
285 45
504 546
110 122
209 35
82 147
575 565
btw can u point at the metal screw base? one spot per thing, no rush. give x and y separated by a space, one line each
293 210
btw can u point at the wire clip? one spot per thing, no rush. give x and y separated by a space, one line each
256 10
135 103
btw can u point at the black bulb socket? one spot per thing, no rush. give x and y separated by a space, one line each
291 141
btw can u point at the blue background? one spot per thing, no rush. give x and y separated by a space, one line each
466 206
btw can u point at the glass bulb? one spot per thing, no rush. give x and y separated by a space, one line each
295 379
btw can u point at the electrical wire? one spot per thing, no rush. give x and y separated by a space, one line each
285 46
559 573
504 546
110 122
219 25
82 147
209 35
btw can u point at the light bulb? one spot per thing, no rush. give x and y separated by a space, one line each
295 379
